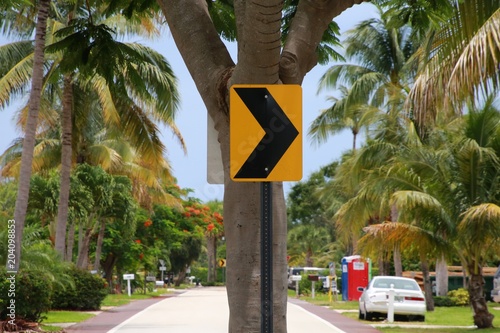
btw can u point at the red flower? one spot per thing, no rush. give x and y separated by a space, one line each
138 241
148 223
210 227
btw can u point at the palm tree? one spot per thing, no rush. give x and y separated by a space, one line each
412 237
459 59
153 98
29 139
306 241
342 115
377 81
449 190
381 71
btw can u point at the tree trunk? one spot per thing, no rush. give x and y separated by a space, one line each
441 276
66 159
70 243
429 300
30 132
212 258
482 317
83 255
80 237
259 61
309 257
98 249
398 266
181 277
107 266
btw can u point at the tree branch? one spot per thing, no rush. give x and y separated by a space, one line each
259 32
204 53
306 31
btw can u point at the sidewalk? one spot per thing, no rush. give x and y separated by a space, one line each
342 323
108 319
205 310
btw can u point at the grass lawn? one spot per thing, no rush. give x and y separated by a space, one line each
79 316
122 299
63 317
66 317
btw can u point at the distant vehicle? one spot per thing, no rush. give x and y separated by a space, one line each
307 270
409 300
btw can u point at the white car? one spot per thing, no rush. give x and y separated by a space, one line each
409 300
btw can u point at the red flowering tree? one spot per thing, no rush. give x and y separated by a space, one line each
209 218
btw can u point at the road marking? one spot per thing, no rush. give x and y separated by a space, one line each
116 328
335 328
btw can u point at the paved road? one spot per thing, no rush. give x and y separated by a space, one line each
205 310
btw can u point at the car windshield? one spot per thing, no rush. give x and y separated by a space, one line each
398 284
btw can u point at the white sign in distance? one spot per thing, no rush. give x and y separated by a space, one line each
128 276
296 277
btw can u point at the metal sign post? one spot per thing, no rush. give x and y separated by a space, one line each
274 114
266 257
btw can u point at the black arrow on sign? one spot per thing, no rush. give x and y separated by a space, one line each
280 133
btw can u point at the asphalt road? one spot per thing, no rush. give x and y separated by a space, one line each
205 310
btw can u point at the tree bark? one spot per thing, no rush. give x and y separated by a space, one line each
98 249
181 277
482 317
398 266
70 243
306 31
441 276
83 255
30 132
66 159
259 61
212 258
107 266
429 300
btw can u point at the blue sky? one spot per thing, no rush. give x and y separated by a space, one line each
191 169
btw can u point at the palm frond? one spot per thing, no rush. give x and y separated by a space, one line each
15 70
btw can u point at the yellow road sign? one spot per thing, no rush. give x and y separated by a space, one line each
266 132
222 262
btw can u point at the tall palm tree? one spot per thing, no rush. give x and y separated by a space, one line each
342 115
144 92
377 79
450 190
460 59
29 139
306 241
380 72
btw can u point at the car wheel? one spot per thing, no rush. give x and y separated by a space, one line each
420 318
360 314
368 315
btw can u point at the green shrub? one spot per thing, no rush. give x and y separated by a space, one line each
88 293
200 273
26 295
443 301
459 297
305 285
